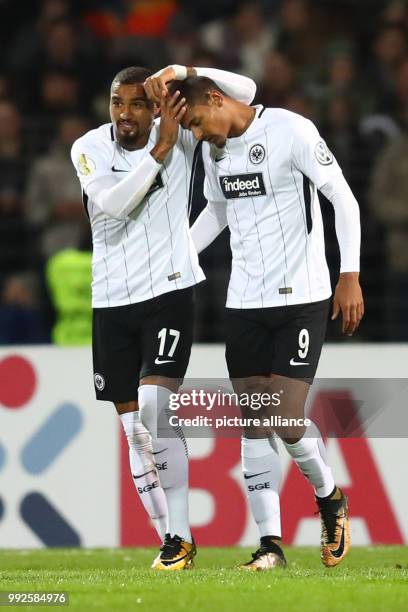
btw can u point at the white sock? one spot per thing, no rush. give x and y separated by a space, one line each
170 451
310 456
144 472
262 476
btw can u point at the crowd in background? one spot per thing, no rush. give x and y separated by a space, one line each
343 64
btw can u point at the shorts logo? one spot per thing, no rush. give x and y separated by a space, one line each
159 361
323 154
256 154
99 381
86 165
293 362
242 186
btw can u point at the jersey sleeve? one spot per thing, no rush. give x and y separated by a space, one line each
208 225
236 86
347 222
311 154
114 198
92 162
186 138
212 191
213 219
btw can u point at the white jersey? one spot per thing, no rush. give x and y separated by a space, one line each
268 180
150 251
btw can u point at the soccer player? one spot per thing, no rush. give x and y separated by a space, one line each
263 169
136 176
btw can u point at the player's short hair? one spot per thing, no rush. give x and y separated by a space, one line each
195 89
132 75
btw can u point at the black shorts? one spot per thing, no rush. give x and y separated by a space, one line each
148 338
284 340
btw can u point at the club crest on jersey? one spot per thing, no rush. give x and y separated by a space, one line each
86 165
323 154
99 381
256 154
242 185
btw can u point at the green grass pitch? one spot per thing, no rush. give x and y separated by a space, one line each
370 579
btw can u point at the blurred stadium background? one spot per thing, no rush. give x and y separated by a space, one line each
344 64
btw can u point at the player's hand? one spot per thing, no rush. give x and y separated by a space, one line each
156 85
348 299
172 110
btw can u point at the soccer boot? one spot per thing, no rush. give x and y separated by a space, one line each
335 539
268 556
175 554
157 559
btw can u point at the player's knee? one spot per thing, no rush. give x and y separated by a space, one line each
148 407
257 433
123 407
291 435
140 440
292 440
153 405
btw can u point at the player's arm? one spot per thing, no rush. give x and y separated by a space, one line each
93 166
114 198
213 219
314 159
119 199
236 86
348 297
209 224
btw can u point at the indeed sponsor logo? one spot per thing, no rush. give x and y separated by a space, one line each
243 185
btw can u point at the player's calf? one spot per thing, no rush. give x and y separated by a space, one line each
144 471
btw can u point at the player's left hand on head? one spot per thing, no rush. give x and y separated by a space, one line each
173 106
172 110
156 85
348 299
155 89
